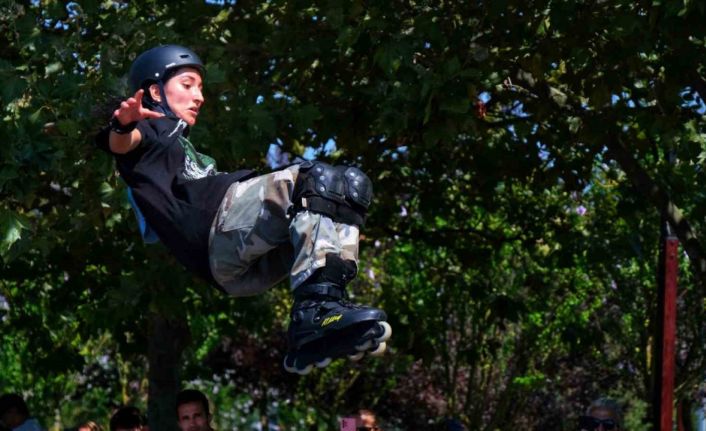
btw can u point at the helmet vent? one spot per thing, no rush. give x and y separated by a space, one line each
185 56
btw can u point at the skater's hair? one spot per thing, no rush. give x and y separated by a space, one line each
607 404
367 412
192 396
127 417
13 401
92 426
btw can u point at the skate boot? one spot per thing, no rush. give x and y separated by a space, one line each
325 326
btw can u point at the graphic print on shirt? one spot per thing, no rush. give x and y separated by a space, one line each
196 165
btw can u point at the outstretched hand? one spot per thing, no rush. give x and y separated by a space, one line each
132 110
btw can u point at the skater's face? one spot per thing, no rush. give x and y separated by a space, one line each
184 94
11 418
192 417
367 421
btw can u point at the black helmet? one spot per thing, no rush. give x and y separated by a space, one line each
153 65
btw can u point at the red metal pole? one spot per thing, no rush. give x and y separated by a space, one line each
669 332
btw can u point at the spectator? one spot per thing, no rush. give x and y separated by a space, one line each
603 414
89 426
193 413
367 421
128 419
14 414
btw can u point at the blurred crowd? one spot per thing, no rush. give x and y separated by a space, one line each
193 413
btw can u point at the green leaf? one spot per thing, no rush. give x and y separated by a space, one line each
13 84
11 226
304 117
452 67
215 74
7 174
52 69
69 128
456 106
222 16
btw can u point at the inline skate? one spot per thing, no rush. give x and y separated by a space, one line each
326 326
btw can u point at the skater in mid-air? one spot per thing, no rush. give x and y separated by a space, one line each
242 232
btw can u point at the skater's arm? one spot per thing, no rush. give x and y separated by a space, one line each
121 144
130 111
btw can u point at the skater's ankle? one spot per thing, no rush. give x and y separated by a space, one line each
320 290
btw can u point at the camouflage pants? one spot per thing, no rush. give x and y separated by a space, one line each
254 243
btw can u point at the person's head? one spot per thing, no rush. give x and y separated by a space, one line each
89 426
193 413
13 410
367 421
127 419
454 425
172 77
603 414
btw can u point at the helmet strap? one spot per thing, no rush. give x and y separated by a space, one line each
163 102
162 106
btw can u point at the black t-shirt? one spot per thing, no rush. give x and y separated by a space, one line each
177 189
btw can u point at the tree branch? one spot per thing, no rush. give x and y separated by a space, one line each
433 235
656 195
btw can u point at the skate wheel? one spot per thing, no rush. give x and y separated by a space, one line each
323 363
290 369
380 350
365 346
386 333
304 371
356 356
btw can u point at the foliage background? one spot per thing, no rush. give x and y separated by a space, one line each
524 154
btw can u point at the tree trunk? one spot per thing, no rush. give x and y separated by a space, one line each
167 339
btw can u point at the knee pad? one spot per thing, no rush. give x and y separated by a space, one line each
358 187
341 193
359 193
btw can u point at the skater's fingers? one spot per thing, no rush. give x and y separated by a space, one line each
146 113
138 96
